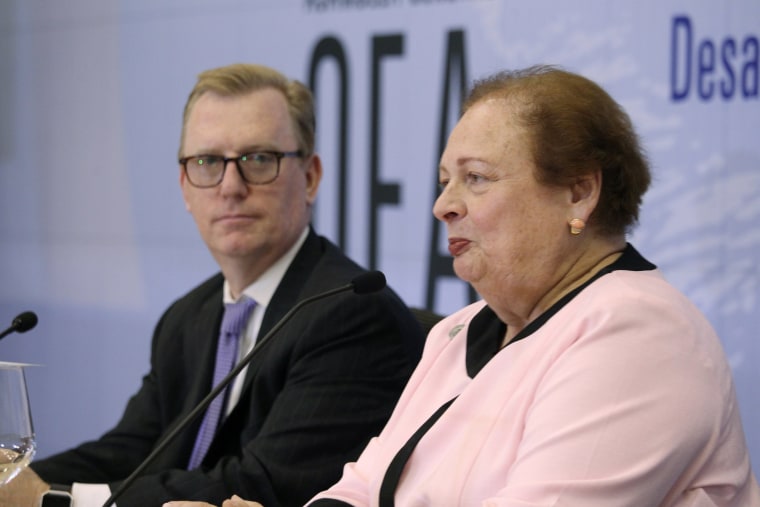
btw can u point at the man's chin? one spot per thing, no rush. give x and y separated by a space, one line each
238 249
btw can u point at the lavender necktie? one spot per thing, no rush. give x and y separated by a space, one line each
234 321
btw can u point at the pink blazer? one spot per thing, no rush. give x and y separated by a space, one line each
623 397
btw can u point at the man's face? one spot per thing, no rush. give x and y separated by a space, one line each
248 227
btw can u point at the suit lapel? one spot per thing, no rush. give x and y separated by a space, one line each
200 333
290 289
288 293
206 326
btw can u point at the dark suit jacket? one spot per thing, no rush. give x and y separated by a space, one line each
324 385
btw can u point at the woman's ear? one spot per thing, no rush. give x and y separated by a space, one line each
584 194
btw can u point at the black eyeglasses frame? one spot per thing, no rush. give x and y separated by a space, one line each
279 155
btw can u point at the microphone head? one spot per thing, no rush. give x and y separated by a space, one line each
24 322
371 281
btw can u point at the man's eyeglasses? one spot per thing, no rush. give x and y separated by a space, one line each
256 168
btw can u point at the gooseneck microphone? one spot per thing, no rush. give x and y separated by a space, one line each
21 324
366 283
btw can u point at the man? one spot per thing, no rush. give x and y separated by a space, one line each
326 382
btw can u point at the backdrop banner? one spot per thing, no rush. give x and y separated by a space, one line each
96 238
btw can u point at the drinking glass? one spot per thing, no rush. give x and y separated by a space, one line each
17 443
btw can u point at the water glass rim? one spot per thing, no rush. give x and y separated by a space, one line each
6 364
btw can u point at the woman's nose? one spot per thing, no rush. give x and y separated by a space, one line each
447 206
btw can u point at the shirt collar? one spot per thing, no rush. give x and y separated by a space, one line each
263 288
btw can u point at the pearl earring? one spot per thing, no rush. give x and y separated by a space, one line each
576 226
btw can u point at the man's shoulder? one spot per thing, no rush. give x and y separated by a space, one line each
321 264
335 258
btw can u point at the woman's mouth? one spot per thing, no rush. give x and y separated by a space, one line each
458 245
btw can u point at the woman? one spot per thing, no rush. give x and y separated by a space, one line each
582 378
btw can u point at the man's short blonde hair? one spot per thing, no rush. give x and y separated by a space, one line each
242 78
